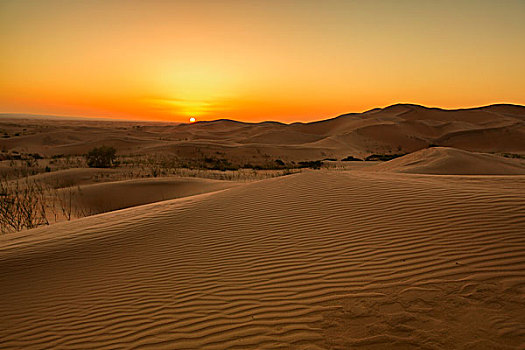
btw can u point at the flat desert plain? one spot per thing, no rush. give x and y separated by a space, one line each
424 251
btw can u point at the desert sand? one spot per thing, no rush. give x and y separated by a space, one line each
425 251
402 128
452 161
110 196
314 260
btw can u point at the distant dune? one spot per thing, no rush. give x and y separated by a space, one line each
401 128
451 161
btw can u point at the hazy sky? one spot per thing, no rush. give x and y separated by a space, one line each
257 60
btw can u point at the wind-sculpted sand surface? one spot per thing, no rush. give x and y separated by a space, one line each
452 161
109 196
316 260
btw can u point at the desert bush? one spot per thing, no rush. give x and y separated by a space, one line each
63 199
27 204
101 157
383 157
513 155
22 205
351 159
314 164
218 164
35 155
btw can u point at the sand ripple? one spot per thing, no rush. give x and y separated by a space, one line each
312 261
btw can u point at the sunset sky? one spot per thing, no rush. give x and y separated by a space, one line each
257 60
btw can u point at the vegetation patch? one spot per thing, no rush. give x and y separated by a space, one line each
384 157
513 155
101 157
351 159
312 164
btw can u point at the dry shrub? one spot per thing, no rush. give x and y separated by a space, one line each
22 205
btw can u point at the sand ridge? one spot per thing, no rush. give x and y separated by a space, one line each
401 128
109 196
310 261
452 161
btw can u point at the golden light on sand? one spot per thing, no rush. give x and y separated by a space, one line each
192 120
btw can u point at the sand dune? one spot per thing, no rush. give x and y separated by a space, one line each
73 176
109 196
392 255
451 161
401 128
316 260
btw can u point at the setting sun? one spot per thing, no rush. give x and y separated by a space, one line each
254 61
192 120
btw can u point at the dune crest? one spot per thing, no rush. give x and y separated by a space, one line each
400 128
109 196
452 161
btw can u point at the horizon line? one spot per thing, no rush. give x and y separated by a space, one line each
18 115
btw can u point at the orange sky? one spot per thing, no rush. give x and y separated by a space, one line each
257 60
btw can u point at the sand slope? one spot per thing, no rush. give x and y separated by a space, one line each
109 196
451 161
316 260
394 129
73 177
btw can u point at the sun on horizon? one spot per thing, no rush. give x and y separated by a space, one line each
254 61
